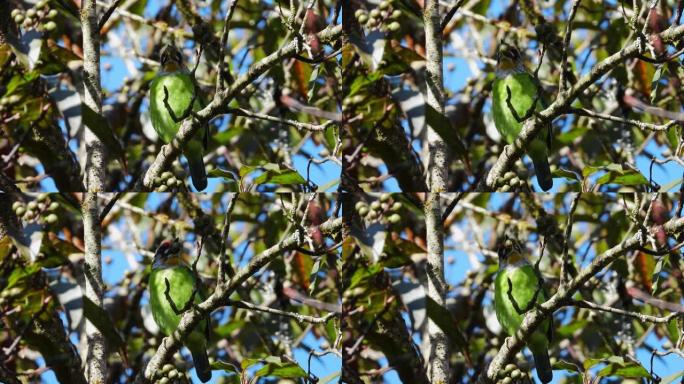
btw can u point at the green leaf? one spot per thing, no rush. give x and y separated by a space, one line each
277 367
230 178
442 317
225 366
565 174
103 321
100 127
441 124
564 365
616 174
625 176
274 174
618 366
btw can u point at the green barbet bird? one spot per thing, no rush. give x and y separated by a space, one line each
511 74
181 91
524 283
182 282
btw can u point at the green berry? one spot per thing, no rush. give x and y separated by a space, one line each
359 205
51 218
396 14
53 206
167 368
509 368
363 211
50 26
363 19
385 197
509 175
516 374
32 205
18 18
506 380
384 5
395 218
166 175
20 211
171 182
394 26
505 188
52 14
16 205
162 188
375 205
374 14
31 13
359 12
15 12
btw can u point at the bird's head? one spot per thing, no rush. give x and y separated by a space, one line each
508 58
511 252
171 58
167 254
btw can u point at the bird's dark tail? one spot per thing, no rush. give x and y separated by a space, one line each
543 365
201 360
540 161
193 152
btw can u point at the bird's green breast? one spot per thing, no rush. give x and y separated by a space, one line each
523 92
181 285
181 90
525 282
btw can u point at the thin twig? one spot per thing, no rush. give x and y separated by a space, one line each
617 119
296 316
452 204
566 240
292 123
636 315
566 44
225 267
108 13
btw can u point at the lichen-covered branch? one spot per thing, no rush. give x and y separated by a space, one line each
222 293
95 356
437 153
94 172
438 357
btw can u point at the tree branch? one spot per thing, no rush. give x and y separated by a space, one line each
437 151
96 363
296 316
617 119
438 355
95 164
639 316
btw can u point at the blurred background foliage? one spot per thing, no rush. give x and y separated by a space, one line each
384 276
44 311
42 116
384 86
